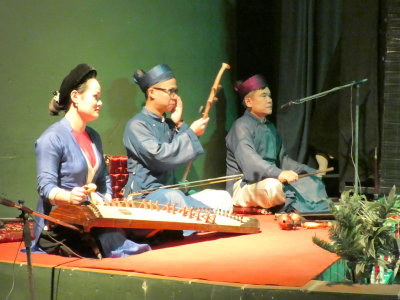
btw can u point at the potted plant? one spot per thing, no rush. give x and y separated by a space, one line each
364 233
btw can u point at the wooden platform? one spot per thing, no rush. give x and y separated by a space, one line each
78 283
272 264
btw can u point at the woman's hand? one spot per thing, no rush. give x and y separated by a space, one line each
96 199
77 195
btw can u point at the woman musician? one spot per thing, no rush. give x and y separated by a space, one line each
69 156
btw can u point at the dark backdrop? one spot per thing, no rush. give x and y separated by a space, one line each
304 47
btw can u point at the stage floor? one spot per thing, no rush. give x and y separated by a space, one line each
271 261
271 257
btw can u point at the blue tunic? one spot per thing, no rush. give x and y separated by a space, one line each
255 149
62 164
154 149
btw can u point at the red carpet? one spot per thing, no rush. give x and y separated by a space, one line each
272 257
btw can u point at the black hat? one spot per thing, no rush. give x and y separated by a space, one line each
157 74
76 77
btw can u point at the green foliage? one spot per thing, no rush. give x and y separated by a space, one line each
363 232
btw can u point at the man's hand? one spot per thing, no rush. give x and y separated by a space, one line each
176 113
288 176
199 126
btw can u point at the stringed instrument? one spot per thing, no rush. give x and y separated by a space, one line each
213 93
212 97
149 215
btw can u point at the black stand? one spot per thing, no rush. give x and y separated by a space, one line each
27 236
25 212
26 233
357 118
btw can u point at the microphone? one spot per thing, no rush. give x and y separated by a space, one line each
290 103
360 81
357 82
6 202
10 203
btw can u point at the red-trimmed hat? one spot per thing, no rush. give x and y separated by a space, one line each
255 82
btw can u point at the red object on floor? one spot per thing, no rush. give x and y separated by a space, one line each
12 230
271 257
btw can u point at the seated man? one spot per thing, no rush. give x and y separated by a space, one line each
255 149
157 145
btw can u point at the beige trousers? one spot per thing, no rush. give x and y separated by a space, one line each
265 193
217 199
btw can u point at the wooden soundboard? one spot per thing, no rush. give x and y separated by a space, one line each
149 215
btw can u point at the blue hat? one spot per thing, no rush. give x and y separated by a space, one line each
157 74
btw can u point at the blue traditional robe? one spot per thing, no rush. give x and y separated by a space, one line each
154 149
255 149
61 164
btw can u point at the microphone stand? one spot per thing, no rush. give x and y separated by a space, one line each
26 234
357 118
25 212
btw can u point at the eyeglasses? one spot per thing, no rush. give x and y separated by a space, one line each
170 92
